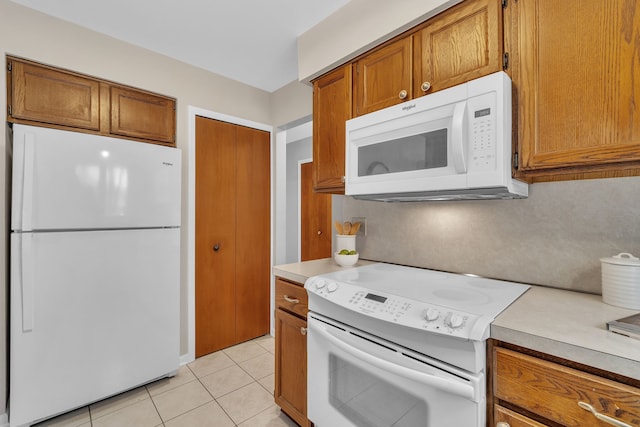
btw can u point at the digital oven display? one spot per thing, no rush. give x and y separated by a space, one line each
376 298
482 113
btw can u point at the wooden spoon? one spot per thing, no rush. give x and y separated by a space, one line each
338 225
346 227
355 227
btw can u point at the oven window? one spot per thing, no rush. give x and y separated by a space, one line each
369 401
423 151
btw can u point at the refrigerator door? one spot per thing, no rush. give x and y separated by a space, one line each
94 313
69 181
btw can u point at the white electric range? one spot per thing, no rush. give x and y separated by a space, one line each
402 346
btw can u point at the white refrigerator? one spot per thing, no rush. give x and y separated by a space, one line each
95 269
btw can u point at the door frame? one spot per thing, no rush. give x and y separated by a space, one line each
192 112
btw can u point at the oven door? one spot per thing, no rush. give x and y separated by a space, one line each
357 379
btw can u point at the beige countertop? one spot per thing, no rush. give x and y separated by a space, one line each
566 324
571 325
301 271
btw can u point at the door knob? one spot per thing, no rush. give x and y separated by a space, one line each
216 247
319 232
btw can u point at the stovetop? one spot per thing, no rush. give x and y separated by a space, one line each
446 304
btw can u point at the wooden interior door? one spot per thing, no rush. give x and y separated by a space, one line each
232 234
215 226
315 218
253 225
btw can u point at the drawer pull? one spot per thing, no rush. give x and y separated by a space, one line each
291 300
602 417
502 424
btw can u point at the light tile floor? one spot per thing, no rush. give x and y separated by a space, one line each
231 387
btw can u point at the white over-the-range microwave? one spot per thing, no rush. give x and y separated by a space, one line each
454 144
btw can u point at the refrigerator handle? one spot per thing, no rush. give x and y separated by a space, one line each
26 281
28 181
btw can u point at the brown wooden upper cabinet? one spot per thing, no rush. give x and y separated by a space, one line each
331 110
461 44
383 77
47 96
142 115
576 70
458 45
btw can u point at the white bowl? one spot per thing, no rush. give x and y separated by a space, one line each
345 260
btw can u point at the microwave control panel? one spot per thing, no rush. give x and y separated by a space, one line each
483 133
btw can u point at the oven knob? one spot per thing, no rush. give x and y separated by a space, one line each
431 314
320 284
455 321
332 286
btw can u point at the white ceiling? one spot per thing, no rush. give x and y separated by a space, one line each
252 41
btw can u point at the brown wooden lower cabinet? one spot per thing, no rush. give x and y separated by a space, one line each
531 391
290 388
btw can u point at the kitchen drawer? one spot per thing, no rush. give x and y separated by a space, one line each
553 391
291 297
513 419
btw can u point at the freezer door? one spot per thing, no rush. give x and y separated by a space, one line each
92 314
68 181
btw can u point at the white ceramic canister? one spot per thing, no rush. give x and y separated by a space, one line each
621 281
345 241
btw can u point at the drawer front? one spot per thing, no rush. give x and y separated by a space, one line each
291 297
553 391
513 419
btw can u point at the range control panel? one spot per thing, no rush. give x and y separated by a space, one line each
398 310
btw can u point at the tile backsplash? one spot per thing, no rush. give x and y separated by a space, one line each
555 237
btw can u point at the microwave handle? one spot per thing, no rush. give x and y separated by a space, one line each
451 386
458 131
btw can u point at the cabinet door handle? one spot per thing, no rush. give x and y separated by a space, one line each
303 330
602 417
292 300
403 94
425 87
502 424
319 232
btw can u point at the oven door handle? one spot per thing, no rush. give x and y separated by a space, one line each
451 386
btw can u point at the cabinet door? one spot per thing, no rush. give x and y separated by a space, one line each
42 94
290 386
383 77
576 71
331 110
459 45
143 115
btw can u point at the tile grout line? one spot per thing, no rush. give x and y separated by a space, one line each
210 394
153 402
